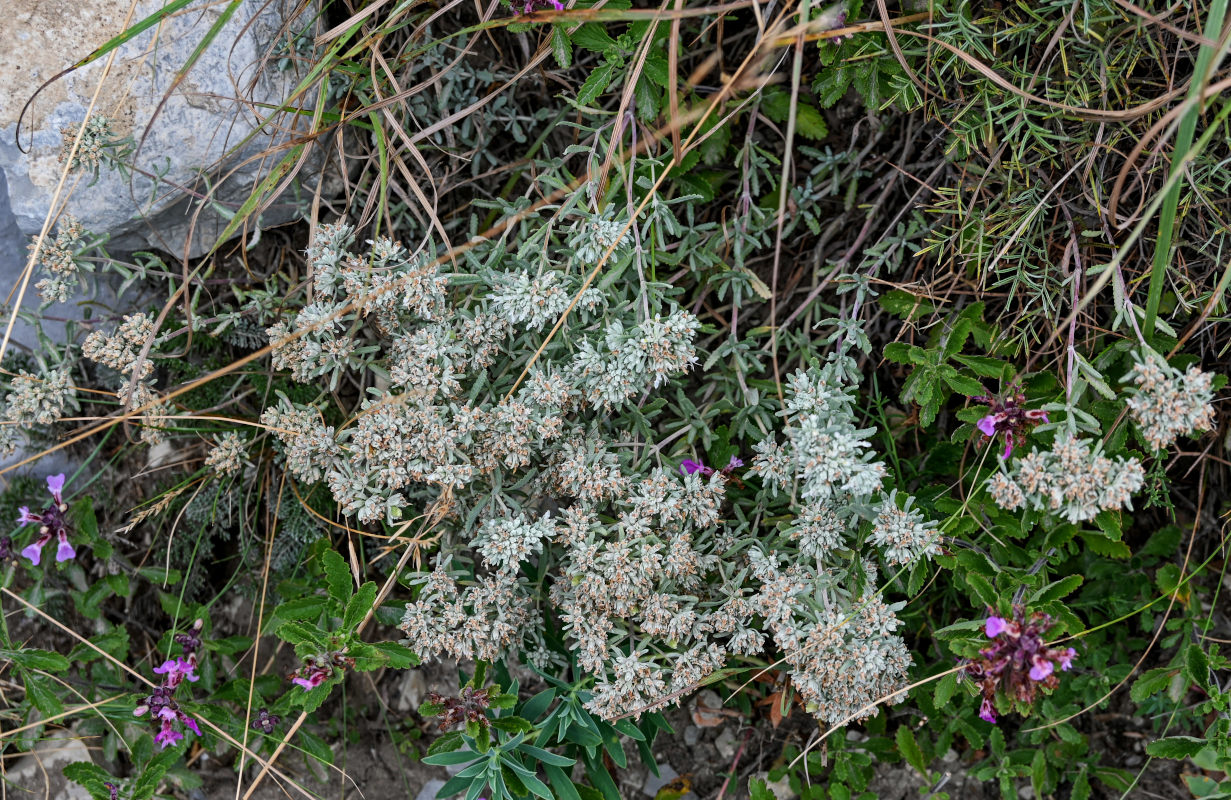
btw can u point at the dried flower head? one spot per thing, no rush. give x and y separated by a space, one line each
1167 403
1072 480
226 457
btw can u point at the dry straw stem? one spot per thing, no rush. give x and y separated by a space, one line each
267 766
1159 626
147 682
728 90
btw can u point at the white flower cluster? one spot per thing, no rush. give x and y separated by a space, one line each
825 452
60 262
823 613
844 653
395 287
593 234
39 401
389 312
226 456
480 621
91 151
902 534
505 542
119 351
536 302
631 362
1071 480
1167 403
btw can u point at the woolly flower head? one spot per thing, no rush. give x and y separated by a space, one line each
227 454
119 350
1167 403
94 140
594 235
1072 480
902 533
504 543
537 301
825 451
330 247
631 362
819 530
40 401
60 262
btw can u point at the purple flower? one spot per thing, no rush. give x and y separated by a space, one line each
733 464
1017 661
312 674
1041 669
64 550
34 551
177 670
265 722
1008 417
51 522
168 735
688 467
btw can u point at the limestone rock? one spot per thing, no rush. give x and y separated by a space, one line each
208 135
40 775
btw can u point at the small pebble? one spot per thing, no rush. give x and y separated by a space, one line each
665 776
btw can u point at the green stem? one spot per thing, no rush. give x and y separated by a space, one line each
1183 142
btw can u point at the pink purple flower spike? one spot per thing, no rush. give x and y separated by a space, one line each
1007 417
1017 661
52 521
161 703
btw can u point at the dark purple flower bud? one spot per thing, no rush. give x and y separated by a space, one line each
265 722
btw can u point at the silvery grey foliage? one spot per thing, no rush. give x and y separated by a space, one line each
824 611
389 313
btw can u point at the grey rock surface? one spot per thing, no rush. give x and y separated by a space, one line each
214 134
655 782
40 775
